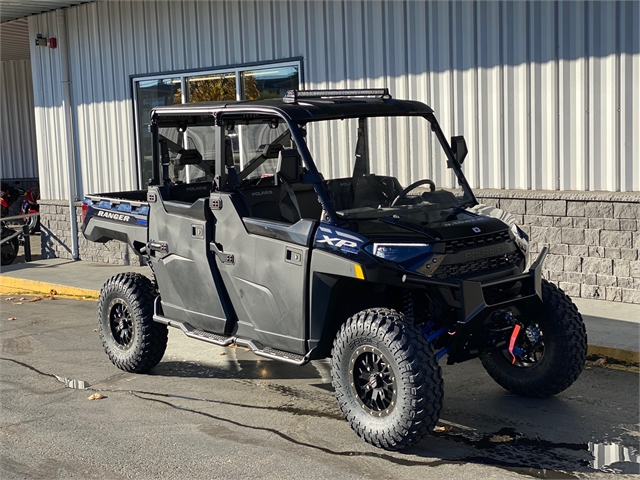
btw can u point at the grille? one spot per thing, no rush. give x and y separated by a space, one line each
476 241
496 294
477 266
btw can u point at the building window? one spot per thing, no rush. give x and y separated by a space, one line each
240 83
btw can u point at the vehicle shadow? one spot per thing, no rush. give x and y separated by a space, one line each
260 369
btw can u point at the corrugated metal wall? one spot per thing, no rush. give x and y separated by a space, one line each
18 153
546 93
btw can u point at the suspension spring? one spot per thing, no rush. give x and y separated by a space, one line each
409 305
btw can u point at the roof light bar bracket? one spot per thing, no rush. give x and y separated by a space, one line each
292 96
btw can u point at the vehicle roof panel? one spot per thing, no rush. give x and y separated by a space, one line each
307 110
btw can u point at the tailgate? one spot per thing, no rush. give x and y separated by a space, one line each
108 218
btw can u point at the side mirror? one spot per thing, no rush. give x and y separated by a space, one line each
459 147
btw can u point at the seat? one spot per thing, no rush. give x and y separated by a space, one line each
288 169
375 190
341 191
263 201
365 191
300 199
189 156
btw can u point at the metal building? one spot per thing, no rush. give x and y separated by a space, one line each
546 93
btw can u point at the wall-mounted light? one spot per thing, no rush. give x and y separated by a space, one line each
40 41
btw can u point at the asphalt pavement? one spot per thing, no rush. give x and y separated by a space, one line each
613 328
210 412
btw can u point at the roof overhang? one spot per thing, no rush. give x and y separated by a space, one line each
15 9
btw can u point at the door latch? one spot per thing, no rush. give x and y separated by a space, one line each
293 255
197 230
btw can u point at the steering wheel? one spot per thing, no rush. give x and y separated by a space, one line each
404 192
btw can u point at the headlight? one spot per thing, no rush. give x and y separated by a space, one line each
399 252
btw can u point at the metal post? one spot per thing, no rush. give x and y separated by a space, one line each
63 48
27 242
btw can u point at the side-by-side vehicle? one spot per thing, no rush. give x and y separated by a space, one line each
249 244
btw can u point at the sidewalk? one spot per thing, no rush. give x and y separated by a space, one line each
613 328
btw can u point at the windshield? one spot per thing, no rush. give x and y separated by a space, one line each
382 166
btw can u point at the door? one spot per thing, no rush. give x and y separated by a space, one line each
265 273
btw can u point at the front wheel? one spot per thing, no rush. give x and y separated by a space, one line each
549 353
386 378
9 248
131 339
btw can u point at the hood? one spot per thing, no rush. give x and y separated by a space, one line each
433 226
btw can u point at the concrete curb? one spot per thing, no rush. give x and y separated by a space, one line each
618 354
20 285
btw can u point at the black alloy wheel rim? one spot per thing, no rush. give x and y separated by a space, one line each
373 381
121 324
531 341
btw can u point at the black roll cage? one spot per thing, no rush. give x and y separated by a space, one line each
250 112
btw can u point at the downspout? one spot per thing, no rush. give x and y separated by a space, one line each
68 125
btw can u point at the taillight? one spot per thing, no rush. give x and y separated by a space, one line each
85 209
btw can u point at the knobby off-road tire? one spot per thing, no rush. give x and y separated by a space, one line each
565 351
404 369
131 339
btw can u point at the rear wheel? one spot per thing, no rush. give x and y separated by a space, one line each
131 339
386 378
549 354
9 249
33 224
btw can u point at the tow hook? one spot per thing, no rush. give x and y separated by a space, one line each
514 335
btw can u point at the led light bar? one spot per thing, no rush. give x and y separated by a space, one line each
292 96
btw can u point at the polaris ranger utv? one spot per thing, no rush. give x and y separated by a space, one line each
249 244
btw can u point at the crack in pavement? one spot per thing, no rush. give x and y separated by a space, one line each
40 372
284 436
83 385
138 394
505 465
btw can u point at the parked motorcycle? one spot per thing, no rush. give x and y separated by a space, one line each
10 192
30 205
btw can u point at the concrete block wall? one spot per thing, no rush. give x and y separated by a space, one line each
593 238
56 238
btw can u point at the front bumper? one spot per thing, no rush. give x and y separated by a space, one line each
478 327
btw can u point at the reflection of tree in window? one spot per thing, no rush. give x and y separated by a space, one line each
269 83
177 97
221 88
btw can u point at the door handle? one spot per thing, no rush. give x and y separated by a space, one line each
225 257
158 246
